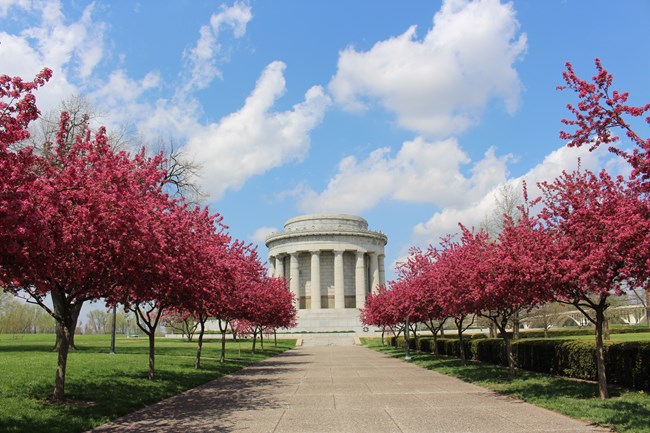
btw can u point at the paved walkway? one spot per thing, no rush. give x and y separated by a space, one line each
342 388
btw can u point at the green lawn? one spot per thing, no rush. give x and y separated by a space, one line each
640 336
628 411
103 386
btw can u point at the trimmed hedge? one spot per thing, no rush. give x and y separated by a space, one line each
564 332
627 363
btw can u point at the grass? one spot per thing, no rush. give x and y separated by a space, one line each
641 336
104 386
627 411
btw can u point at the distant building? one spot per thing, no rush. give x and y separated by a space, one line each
331 263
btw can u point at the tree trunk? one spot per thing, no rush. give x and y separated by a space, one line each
546 326
152 354
435 344
415 338
407 339
223 328
64 347
510 357
197 365
71 325
606 336
275 337
382 336
600 354
647 307
461 343
66 318
113 328
515 326
261 339
222 357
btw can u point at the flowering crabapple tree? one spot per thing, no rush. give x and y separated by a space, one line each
235 298
18 106
456 276
272 307
513 275
401 304
414 293
87 198
599 112
19 218
422 275
281 310
180 321
377 312
170 264
601 226
220 276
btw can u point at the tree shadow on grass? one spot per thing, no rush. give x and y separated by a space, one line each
626 410
634 416
100 399
31 347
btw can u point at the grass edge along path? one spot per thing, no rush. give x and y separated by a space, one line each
102 386
627 411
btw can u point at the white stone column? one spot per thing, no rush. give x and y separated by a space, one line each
382 269
295 278
360 280
315 280
271 266
279 265
374 271
339 291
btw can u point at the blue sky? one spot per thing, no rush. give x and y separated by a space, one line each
410 114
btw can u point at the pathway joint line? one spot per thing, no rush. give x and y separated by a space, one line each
278 423
394 422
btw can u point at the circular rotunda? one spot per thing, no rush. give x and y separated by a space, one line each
331 263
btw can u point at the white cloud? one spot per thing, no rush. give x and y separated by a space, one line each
120 88
438 85
5 5
202 58
255 139
245 143
261 234
120 98
421 172
71 49
77 46
472 214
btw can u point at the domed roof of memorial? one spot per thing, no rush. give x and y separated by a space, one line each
305 225
326 222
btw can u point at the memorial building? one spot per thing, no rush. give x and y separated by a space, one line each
331 263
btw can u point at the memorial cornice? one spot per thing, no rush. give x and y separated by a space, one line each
324 235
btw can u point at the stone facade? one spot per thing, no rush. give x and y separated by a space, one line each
335 256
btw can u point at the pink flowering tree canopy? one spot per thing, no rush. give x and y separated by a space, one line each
601 111
601 226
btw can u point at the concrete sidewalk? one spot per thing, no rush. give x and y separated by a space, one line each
327 388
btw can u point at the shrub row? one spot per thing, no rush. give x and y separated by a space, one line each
564 332
627 363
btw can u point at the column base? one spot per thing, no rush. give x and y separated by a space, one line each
329 320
